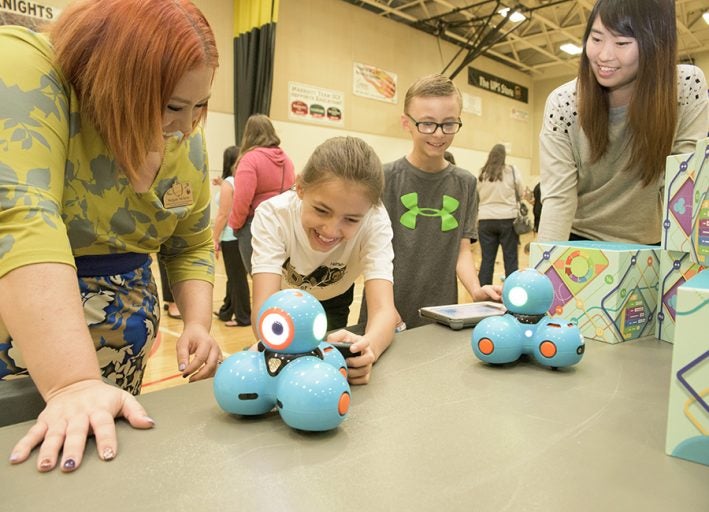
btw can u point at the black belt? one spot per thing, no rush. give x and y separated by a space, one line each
109 264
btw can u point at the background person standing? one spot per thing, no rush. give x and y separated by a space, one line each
498 208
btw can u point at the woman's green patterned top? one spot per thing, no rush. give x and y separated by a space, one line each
61 193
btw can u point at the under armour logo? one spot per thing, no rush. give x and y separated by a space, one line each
411 200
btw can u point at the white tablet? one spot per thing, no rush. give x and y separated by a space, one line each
459 316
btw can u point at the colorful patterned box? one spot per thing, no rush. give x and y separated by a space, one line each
699 248
678 201
675 269
685 220
688 411
610 289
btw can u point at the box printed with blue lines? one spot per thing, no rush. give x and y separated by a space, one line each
685 217
676 268
688 410
609 289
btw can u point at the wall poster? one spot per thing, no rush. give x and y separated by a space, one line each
316 105
374 83
27 14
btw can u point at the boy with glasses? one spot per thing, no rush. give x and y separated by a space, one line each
432 205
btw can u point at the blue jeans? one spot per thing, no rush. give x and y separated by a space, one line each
493 233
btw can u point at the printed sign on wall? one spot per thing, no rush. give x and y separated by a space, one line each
374 83
519 115
497 85
472 104
313 104
27 14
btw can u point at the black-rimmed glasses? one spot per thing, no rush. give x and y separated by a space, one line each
429 127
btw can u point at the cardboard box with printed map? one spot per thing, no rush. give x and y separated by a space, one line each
688 410
609 289
676 268
685 217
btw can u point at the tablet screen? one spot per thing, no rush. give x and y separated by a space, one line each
462 315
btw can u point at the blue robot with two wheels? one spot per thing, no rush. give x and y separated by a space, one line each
526 328
296 372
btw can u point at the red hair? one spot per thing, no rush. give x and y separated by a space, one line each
124 59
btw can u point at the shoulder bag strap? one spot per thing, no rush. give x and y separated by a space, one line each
514 184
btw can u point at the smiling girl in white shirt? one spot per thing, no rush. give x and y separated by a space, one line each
325 233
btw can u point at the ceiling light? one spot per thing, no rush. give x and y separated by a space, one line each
706 17
515 17
571 49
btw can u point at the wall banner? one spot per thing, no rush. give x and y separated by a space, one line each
472 104
27 14
519 115
313 104
374 83
497 85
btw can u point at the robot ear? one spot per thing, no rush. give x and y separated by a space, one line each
486 346
548 349
276 329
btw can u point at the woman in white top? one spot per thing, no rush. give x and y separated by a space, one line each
606 135
497 211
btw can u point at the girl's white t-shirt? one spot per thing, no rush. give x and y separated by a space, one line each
281 246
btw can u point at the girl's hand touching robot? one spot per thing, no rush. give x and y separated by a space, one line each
359 367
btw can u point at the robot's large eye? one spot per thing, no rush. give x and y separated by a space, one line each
276 328
518 296
320 326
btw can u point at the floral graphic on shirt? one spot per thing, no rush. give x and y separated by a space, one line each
18 105
320 277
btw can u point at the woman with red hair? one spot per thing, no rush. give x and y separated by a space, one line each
103 164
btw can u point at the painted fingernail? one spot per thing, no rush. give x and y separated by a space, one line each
69 465
150 420
14 458
46 464
181 367
108 454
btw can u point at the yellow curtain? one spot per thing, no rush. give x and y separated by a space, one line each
250 14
